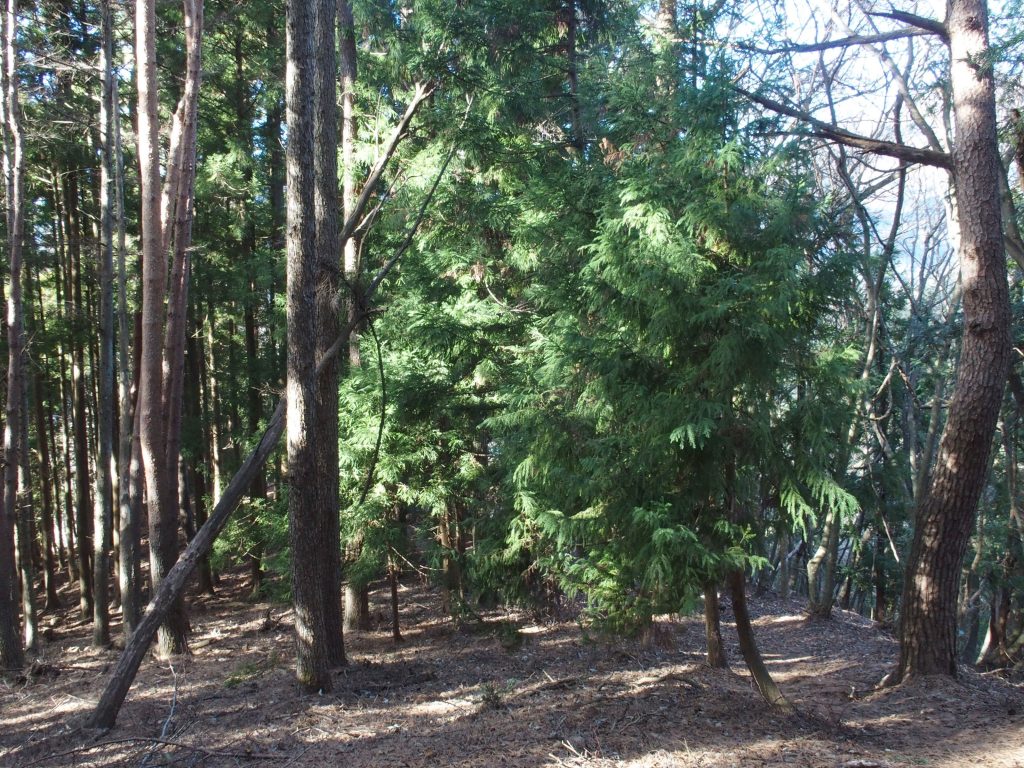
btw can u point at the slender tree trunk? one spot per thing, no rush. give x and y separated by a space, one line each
212 399
396 629
716 657
104 513
80 428
11 654
258 492
946 513
354 615
748 646
46 487
129 467
193 374
325 436
26 537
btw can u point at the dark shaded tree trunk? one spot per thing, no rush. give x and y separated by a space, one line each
313 647
748 646
716 657
73 297
46 488
328 323
129 459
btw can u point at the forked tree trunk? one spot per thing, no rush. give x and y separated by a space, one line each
945 514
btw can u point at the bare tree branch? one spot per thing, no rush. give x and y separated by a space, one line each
921 22
867 144
842 42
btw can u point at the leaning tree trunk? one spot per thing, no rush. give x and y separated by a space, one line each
748 646
945 515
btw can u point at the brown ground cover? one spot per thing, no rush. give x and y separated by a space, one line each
550 695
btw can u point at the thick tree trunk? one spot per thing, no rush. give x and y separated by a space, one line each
945 514
821 580
163 528
313 651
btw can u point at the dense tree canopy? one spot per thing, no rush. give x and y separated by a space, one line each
577 305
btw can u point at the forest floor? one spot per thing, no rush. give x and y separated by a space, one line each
455 697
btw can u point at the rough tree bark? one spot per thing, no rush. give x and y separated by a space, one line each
946 513
327 563
312 652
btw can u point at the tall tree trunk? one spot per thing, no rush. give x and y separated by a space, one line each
104 512
258 492
328 269
80 426
129 467
313 650
47 490
356 597
11 654
163 531
945 514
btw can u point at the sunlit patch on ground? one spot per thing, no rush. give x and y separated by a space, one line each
512 691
